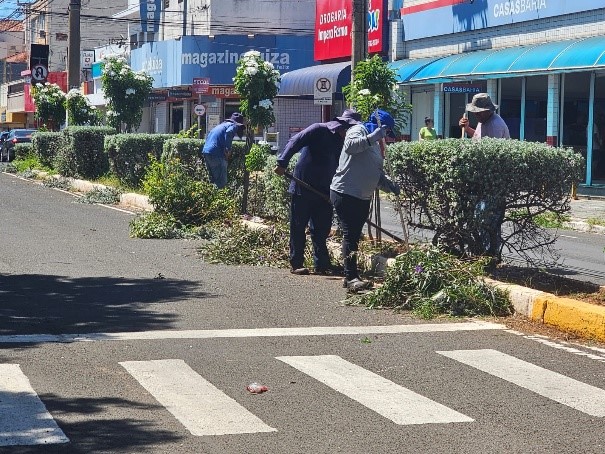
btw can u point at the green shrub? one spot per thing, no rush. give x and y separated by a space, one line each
276 200
21 150
187 150
457 188
173 190
430 282
256 159
129 154
46 146
82 152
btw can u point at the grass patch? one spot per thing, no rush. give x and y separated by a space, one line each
596 221
551 220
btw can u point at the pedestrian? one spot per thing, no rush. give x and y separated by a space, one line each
217 147
360 171
319 145
490 124
492 210
427 132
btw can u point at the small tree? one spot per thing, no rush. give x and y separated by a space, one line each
79 110
127 92
49 100
374 86
257 82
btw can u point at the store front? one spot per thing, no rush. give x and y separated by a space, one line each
174 64
552 92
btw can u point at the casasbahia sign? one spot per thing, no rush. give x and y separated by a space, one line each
453 16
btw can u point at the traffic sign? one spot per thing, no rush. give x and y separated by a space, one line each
323 89
199 110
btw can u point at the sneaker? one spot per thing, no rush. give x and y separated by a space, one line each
357 285
300 271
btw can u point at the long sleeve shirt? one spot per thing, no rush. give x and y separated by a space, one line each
219 139
360 168
319 145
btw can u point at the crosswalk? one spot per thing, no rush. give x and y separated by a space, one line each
205 410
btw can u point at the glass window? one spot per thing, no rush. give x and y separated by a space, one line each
536 97
575 111
598 141
510 105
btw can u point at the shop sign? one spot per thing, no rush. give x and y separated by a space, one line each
334 24
453 16
150 15
461 88
157 97
179 94
223 91
200 85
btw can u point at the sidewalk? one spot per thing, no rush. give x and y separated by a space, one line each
584 212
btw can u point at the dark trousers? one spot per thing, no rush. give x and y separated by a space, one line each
353 213
310 209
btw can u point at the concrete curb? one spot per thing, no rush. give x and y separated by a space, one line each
583 226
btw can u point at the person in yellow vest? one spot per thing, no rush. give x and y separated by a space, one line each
427 132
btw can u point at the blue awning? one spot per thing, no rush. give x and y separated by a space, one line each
547 58
302 81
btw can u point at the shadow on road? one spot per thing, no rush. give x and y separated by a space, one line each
32 304
95 431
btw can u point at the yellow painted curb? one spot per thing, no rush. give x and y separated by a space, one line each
584 319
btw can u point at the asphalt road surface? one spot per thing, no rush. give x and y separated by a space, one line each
116 345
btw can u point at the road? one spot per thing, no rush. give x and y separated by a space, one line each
580 254
116 345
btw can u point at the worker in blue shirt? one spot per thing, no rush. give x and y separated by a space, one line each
319 146
217 147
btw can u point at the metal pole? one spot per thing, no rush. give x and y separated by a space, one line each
359 33
184 17
73 56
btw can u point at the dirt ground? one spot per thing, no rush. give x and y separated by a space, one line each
551 283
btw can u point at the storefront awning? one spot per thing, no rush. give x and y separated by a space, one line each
302 81
555 57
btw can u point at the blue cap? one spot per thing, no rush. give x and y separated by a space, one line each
385 119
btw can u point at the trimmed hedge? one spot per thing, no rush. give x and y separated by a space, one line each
187 150
46 146
21 150
82 154
128 154
465 190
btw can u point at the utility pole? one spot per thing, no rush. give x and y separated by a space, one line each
185 6
359 32
73 55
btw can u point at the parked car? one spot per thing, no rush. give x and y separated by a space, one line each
3 136
15 136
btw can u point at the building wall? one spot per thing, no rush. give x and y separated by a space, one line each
50 17
570 26
232 17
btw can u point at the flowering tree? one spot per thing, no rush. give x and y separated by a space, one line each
257 82
127 92
49 100
79 110
374 86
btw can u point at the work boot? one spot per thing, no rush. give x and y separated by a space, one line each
300 271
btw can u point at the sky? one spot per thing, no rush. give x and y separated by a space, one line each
7 7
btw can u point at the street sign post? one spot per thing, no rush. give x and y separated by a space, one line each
201 86
322 93
199 110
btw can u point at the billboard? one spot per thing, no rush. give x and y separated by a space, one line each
176 63
334 24
150 15
443 17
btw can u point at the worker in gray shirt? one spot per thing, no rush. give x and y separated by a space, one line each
360 171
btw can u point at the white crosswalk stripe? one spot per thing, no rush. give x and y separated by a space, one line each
24 419
552 385
386 398
201 407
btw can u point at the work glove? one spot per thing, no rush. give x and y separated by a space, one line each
378 134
